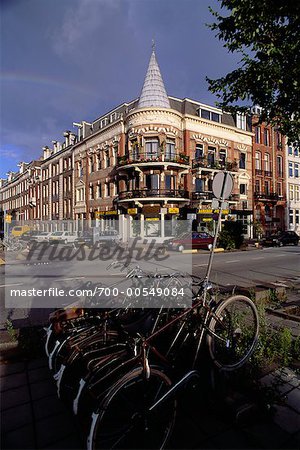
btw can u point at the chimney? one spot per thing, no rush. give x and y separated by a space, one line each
22 167
46 152
67 137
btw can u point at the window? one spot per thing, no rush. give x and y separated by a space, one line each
279 166
290 150
266 137
297 194
199 185
80 194
199 153
210 115
222 154
80 169
291 191
243 161
291 217
152 181
205 114
107 159
257 160
278 139
107 189
211 156
98 162
170 149
297 216
267 187
243 189
170 182
296 151
215 117
241 121
99 191
92 192
279 189
257 185
267 162
91 164
296 170
152 147
134 150
290 169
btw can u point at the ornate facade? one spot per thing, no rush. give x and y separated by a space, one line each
153 158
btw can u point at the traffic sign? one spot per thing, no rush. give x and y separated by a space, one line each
222 185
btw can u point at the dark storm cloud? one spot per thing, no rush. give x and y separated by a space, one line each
71 60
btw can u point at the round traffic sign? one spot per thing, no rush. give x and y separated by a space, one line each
222 185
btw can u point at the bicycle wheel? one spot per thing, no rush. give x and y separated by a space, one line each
124 421
233 332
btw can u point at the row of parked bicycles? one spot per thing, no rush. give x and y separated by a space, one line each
120 368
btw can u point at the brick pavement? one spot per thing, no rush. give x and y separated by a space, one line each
33 418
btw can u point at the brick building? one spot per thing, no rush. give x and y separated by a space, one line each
269 175
154 158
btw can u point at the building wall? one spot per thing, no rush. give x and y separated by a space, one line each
293 189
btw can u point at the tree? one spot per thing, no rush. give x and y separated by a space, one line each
267 35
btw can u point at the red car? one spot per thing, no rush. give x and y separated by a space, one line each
191 240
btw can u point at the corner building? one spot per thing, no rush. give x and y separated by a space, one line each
155 158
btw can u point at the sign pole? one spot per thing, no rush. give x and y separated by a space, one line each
221 199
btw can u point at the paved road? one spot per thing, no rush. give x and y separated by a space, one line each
249 268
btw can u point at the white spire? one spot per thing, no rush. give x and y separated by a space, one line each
153 92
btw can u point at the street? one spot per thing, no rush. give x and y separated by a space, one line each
242 268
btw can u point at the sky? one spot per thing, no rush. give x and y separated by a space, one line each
64 61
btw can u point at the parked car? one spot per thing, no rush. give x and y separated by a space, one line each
28 235
37 236
280 239
64 237
84 238
191 240
18 231
106 236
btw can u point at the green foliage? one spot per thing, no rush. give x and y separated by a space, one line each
267 36
231 235
10 330
226 240
273 346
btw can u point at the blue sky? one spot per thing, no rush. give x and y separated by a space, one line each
71 60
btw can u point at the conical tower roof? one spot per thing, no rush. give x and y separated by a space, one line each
154 91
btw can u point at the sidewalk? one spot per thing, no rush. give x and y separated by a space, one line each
33 417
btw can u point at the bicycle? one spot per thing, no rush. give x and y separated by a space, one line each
232 332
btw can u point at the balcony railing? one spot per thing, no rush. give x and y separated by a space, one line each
160 193
217 165
268 173
208 195
273 196
258 172
132 158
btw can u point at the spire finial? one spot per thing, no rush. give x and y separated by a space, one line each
153 45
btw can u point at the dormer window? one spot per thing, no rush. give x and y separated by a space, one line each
241 121
210 115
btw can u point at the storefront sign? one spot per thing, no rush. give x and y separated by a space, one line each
132 211
8 218
212 211
152 219
206 219
173 210
106 213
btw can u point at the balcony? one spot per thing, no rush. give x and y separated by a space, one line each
234 198
146 194
268 173
206 163
137 158
258 172
270 197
